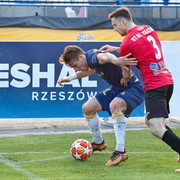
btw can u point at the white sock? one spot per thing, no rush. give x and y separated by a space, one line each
120 132
94 126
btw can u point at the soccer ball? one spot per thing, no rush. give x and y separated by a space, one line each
81 149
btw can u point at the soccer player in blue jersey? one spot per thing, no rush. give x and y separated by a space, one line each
124 95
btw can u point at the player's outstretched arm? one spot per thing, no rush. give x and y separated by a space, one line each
108 48
121 61
106 57
62 80
76 75
125 61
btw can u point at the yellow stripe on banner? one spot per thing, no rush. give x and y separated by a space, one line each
44 34
169 35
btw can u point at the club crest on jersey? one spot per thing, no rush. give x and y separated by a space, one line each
153 66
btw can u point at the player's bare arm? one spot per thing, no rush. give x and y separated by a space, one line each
108 48
76 75
106 57
126 60
121 61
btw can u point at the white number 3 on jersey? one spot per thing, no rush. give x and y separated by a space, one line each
153 41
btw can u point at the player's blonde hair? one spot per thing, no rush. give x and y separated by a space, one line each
70 52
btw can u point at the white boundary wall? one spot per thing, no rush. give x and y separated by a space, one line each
171 50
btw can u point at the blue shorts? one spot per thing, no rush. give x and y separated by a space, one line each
133 96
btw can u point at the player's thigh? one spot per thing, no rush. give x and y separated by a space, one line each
105 97
91 106
133 96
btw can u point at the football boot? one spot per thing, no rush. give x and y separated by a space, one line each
116 158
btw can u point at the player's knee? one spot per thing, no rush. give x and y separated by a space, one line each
156 131
86 108
117 106
153 128
113 107
157 127
153 132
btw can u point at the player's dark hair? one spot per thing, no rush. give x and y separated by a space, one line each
70 52
122 12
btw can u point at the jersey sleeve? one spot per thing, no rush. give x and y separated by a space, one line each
125 48
93 59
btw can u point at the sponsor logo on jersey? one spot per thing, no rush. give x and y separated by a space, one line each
153 66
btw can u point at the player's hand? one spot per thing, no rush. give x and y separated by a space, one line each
108 48
126 61
62 80
124 82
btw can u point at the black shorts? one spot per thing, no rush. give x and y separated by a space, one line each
157 101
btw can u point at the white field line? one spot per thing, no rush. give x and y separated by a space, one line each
62 132
26 152
41 160
140 152
45 133
66 156
18 168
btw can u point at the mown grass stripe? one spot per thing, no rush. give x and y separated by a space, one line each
26 152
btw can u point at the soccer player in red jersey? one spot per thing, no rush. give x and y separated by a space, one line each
143 42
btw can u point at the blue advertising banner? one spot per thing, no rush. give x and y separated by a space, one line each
29 72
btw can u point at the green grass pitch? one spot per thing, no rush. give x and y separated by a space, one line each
47 157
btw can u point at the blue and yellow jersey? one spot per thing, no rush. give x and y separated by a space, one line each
108 71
